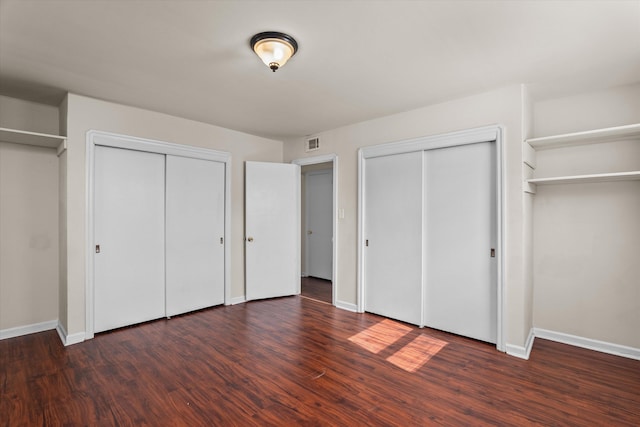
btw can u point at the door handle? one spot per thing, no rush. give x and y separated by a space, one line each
309 232
97 249
250 239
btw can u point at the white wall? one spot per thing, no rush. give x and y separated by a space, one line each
527 216
592 110
62 222
28 219
84 114
504 107
586 269
29 116
587 236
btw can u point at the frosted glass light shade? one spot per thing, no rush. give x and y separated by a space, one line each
274 49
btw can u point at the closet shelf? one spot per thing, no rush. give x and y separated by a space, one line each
17 136
601 177
586 137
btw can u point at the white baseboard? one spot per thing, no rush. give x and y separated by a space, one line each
347 306
62 333
519 351
69 339
588 343
238 300
18 331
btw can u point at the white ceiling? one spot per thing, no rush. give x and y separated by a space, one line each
357 59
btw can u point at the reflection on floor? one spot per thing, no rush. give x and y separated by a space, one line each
381 335
317 289
411 356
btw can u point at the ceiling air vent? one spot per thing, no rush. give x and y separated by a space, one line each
312 144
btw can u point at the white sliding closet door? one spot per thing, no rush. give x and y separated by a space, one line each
461 274
194 234
393 235
129 231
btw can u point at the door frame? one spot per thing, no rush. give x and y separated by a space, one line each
492 133
333 158
114 140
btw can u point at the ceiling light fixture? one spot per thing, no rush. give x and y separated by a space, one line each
274 48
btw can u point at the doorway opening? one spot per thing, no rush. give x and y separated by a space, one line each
318 227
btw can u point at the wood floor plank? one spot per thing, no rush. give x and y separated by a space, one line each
294 361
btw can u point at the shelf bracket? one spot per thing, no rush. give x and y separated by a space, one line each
529 188
62 147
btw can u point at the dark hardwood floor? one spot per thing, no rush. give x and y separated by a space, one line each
317 289
294 361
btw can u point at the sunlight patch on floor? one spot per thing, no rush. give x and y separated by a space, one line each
414 355
380 336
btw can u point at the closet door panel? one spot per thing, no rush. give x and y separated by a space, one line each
194 234
393 231
461 275
129 230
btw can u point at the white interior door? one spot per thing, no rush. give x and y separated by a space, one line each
393 233
129 230
319 216
461 284
272 226
194 234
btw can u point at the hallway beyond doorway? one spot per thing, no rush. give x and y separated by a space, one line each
316 289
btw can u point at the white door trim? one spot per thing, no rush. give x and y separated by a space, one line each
334 159
109 139
470 136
